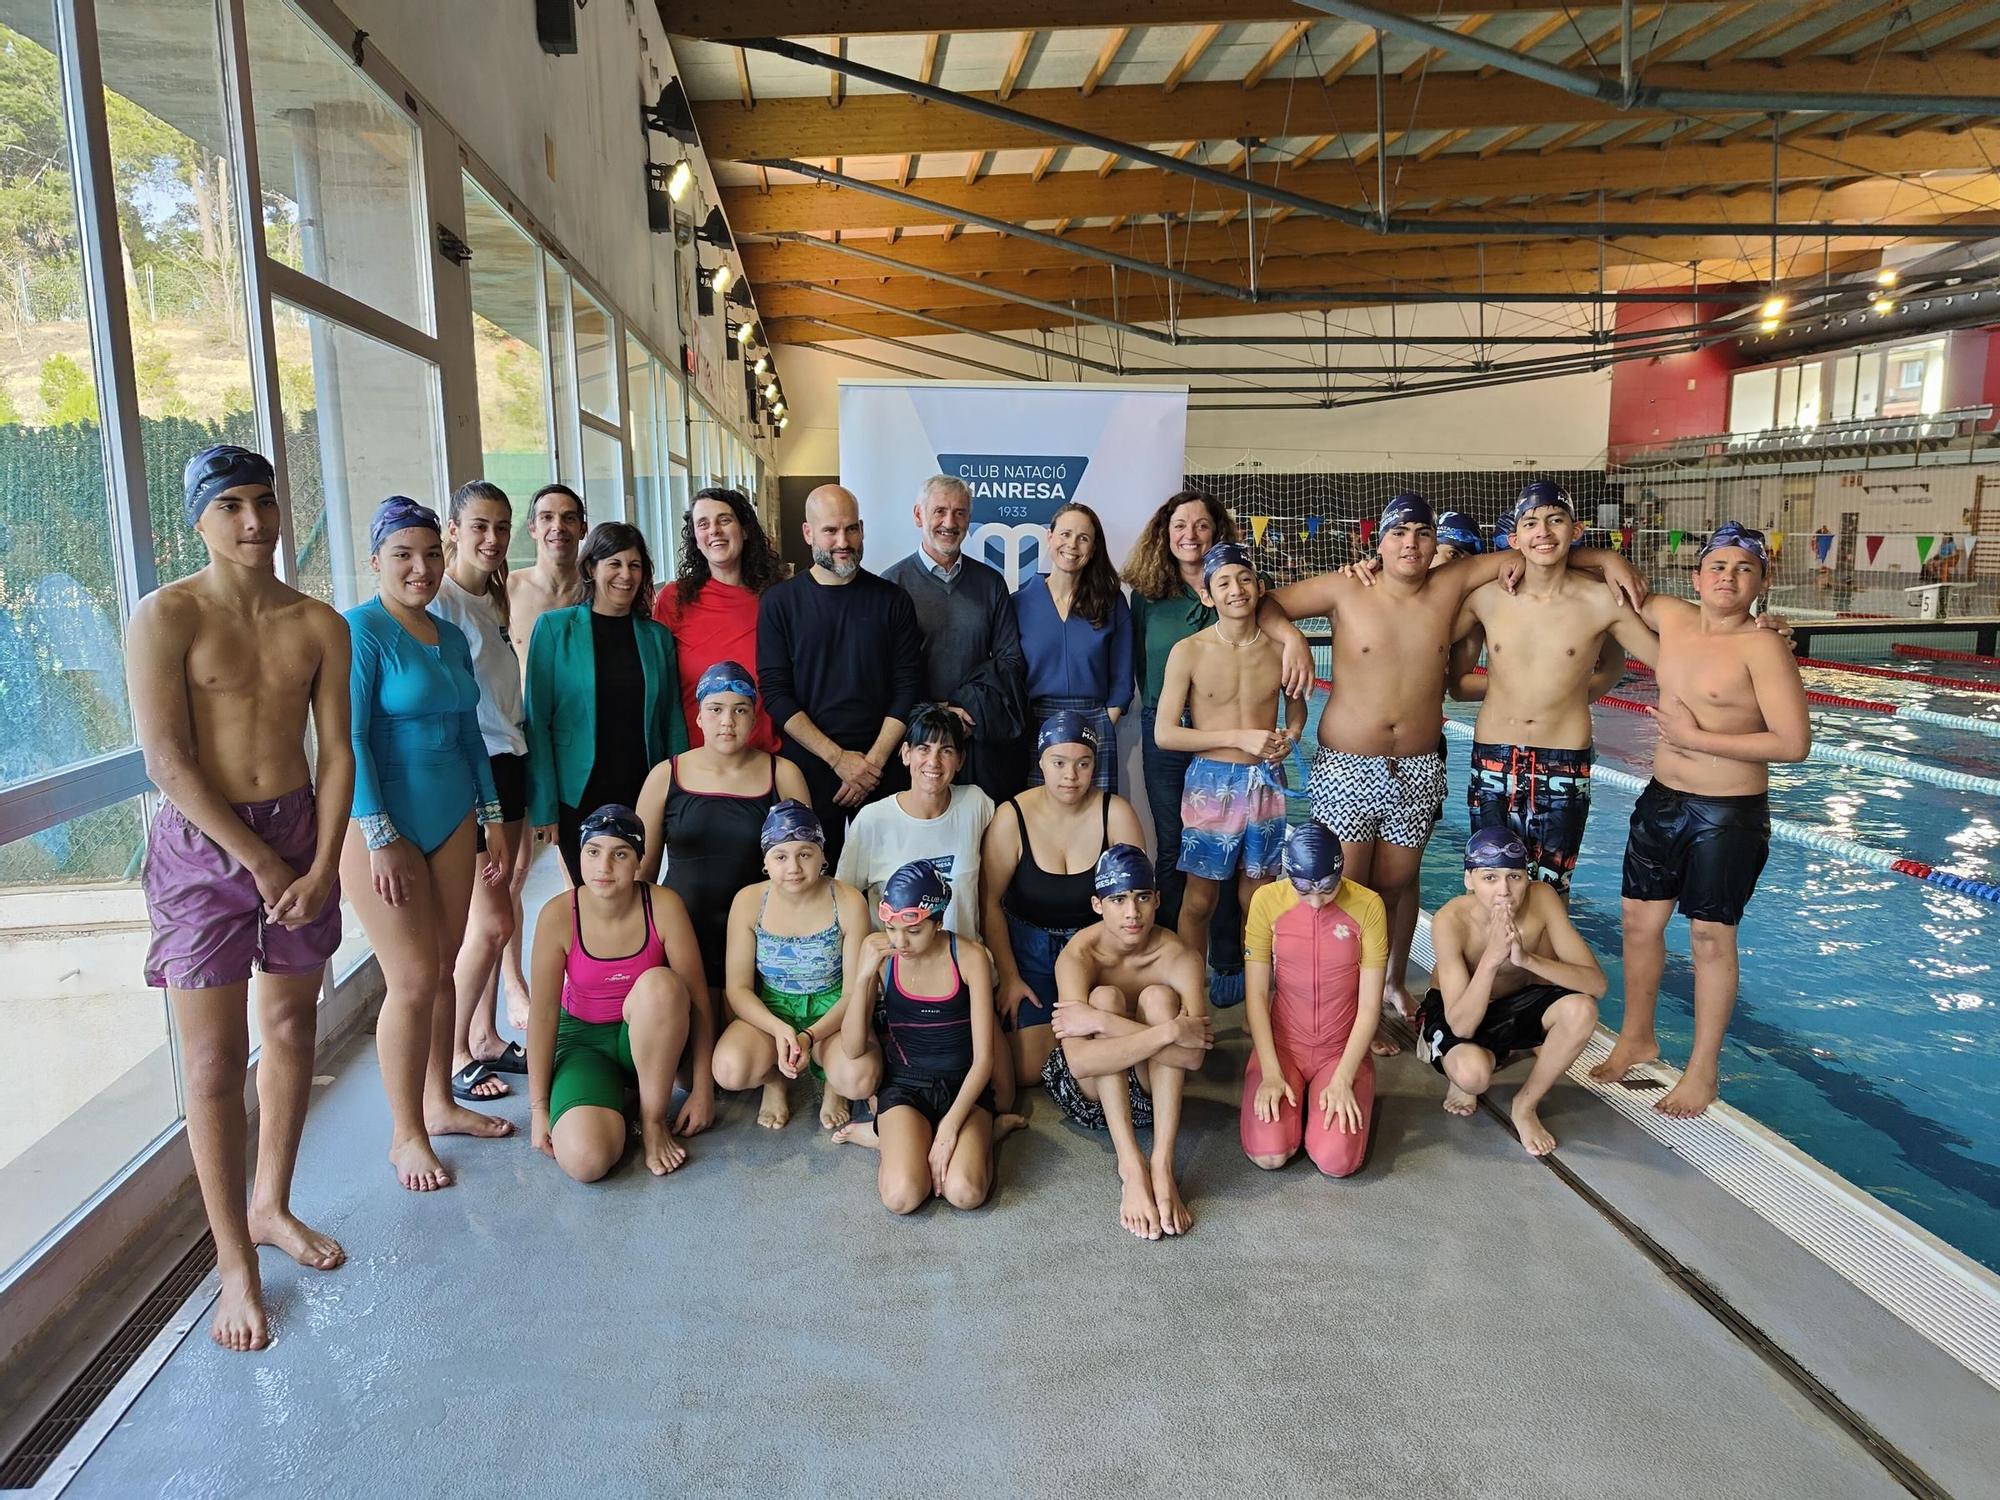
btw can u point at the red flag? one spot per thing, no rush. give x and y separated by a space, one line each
1874 546
1367 531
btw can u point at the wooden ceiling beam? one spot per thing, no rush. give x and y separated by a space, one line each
1721 16
1595 53
1276 53
1789 19
890 124
1014 65
1540 32
1466 27
1106 56
1203 39
1868 29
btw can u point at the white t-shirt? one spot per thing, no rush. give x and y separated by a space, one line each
883 838
495 666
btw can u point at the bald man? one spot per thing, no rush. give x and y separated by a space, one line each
840 662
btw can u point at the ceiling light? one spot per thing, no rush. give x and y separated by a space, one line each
763 365
671 114
714 231
1774 307
679 180
1885 277
1769 325
746 331
771 391
720 277
1883 304
777 408
783 422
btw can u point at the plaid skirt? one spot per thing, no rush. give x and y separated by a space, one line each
1105 777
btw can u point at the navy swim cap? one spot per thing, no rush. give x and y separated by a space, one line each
1123 868
1066 727
399 513
1495 849
790 822
1406 509
1537 493
221 467
1456 529
617 821
1223 555
1313 861
1736 534
1503 531
914 892
725 677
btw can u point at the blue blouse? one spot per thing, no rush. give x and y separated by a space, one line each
1073 658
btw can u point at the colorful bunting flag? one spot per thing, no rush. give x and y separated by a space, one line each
1674 541
1777 540
1924 545
1823 545
1258 525
1367 531
1627 535
1874 546
1312 527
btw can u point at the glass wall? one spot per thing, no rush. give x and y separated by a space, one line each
508 353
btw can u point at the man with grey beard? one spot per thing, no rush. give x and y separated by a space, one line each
839 662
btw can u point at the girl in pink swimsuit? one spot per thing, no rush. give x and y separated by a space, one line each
1314 951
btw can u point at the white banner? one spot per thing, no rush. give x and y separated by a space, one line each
1025 449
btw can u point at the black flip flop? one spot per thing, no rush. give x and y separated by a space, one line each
510 1059
468 1078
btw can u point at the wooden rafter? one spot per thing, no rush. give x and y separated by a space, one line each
1431 55
1568 137
1501 142
838 86
1042 164
1595 53
1790 18
1276 53
974 167
1344 64
1202 40
1870 27
1105 58
1014 65
1443 143
1626 137
1721 16
1535 36
1934 32
1978 36
743 79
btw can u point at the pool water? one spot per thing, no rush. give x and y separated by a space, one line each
1867 1028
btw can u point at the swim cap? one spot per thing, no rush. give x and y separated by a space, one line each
914 892
1736 534
1537 493
1313 861
934 724
725 677
1224 555
1066 727
1120 869
1495 849
1456 529
399 513
790 822
218 468
614 820
1406 509
1503 531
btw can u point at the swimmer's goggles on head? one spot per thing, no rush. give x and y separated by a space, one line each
915 893
725 677
221 467
1313 860
400 513
614 820
1736 534
790 822
1455 529
1495 849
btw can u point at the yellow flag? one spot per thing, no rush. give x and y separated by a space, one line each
1257 527
1777 540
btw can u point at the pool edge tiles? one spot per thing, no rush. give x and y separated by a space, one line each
1932 1288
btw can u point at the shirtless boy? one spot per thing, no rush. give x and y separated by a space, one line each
1731 704
1512 976
1377 780
243 857
1225 678
555 520
1531 752
1131 1022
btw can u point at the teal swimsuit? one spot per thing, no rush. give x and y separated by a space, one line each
419 759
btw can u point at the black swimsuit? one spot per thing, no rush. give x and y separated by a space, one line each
926 1045
712 853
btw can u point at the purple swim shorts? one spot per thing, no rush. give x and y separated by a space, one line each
208 918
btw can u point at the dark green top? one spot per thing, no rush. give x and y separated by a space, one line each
1157 625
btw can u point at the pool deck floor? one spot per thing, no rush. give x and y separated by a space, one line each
1454 1321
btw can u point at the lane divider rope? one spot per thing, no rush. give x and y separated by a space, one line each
1929 679
1961 722
1807 837
1936 653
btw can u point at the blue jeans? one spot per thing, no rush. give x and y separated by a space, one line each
1036 950
1165 774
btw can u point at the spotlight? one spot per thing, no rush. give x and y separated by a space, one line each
741 296
670 113
1885 277
720 277
783 422
714 232
679 180
1883 304
771 391
763 365
1774 307
746 331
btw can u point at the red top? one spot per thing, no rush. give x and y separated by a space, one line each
721 625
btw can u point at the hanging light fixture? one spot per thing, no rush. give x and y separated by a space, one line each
720 277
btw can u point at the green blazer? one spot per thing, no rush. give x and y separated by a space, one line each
562 706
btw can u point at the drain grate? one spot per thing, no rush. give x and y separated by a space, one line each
25 1466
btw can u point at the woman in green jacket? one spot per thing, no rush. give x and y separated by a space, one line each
604 699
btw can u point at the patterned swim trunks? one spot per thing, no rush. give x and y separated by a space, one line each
1365 798
1542 795
1079 1106
1232 814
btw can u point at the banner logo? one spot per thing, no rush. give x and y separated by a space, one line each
1016 551
1012 488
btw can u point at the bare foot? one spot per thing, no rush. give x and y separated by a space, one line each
417 1166
1174 1215
663 1152
284 1230
458 1120
833 1112
1005 1125
1458 1102
1625 1056
1382 1045
1688 1098
858 1133
1398 1001
1534 1135
239 1325
516 992
1138 1208
774 1111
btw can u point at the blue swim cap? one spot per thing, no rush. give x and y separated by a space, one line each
221 467
617 821
914 892
1224 555
1120 869
1495 849
1503 531
399 513
725 677
1736 534
790 822
1066 727
1456 529
1537 493
1406 509
1313 861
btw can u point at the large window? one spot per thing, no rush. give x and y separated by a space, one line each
507 346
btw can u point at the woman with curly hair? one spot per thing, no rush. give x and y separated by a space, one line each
1076 634
1164 571
726 564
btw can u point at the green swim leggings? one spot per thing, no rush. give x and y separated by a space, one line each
799 1011
593 1065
